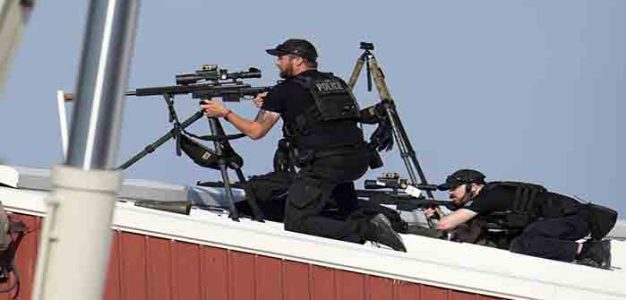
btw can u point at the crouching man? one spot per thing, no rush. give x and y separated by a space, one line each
548 225
320 120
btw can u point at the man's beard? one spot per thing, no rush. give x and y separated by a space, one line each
286 73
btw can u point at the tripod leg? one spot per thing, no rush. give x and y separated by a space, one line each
401 142
379 78
408 154
406 150
216 129
239 172
411 153
257 213
396 126
404 144
234 214
355 72
150 148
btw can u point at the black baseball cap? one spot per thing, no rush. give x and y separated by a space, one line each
460 177
297 47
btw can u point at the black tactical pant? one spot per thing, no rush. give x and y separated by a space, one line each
327 182
270 193
553 238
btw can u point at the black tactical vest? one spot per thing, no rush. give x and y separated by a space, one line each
528 206
333 102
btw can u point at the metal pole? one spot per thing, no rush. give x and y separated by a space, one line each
102 83
76 239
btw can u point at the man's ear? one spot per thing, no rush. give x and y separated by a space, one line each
299 61
474 188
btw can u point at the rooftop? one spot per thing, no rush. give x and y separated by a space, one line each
440 263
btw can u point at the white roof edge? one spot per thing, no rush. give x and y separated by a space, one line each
439 263
39 179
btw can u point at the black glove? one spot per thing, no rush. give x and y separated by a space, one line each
382 138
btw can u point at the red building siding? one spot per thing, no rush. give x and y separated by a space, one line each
143 267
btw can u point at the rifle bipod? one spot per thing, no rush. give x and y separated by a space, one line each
225 157
375 73
221 158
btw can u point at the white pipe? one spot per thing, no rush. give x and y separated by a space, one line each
76 240
62 122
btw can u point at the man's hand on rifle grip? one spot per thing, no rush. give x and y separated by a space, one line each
214 108
259 99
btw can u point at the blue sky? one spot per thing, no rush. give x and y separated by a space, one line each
521 90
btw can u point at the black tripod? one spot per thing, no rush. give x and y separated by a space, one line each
400 136
223 151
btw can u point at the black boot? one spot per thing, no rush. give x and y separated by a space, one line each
596 254
380 231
